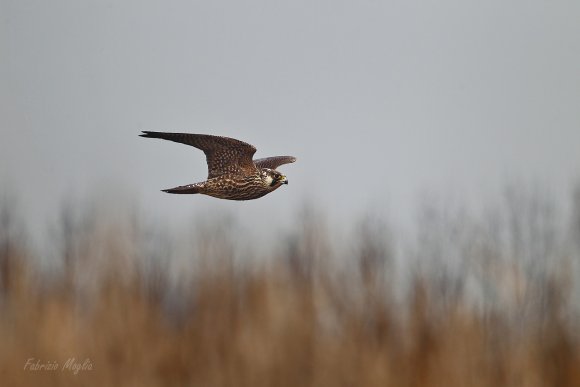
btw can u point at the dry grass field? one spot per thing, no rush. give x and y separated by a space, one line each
299 318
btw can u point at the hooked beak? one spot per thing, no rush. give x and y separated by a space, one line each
283 180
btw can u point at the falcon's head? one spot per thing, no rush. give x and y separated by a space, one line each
273 178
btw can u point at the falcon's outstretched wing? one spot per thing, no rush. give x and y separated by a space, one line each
223 154
274 162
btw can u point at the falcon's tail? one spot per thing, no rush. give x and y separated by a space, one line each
184 189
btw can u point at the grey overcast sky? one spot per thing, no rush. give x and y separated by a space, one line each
378 100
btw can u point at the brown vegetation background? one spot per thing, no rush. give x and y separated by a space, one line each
468 300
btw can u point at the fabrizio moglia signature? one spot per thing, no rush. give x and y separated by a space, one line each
71 364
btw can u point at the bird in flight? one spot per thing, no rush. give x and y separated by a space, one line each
232 173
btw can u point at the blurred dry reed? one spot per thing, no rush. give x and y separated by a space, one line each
488 302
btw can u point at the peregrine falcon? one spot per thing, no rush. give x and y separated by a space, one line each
232 174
